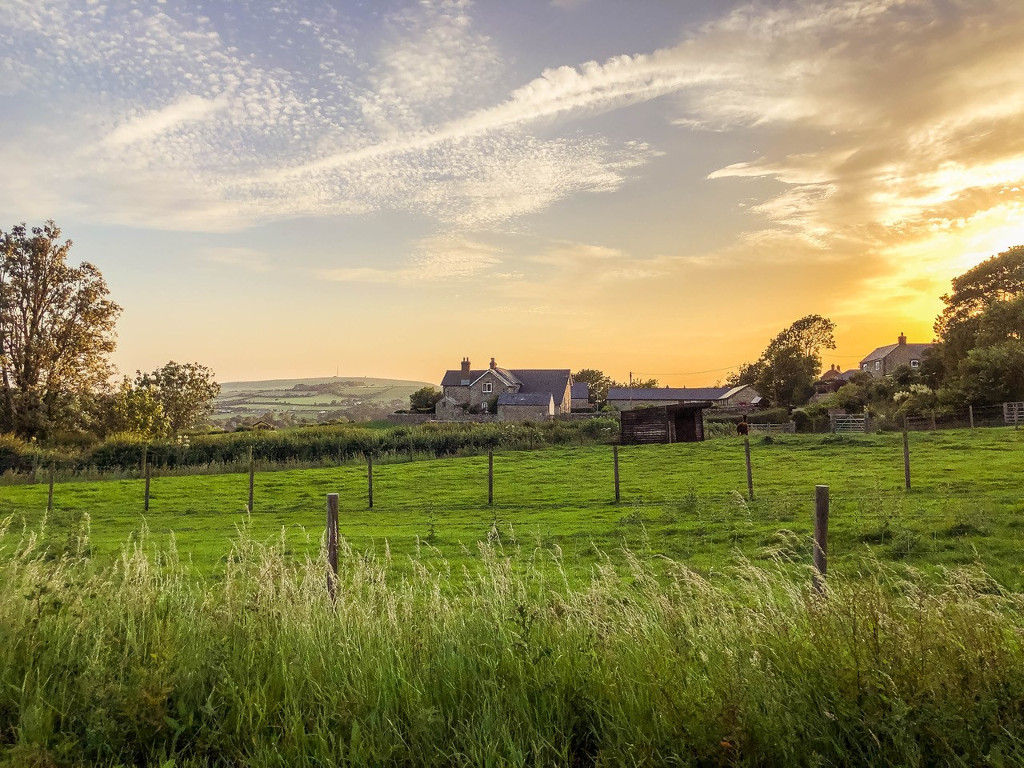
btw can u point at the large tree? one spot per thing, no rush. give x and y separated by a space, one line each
981 333
185 392
787 368
56 332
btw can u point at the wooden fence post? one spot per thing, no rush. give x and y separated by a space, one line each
615 458
750 474
49 497
933 420
490 478
906 458
252 478
970 413
820 537
332 544
369 479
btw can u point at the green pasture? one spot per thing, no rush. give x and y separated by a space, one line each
686 501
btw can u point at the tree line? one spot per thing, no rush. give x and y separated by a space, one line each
57 332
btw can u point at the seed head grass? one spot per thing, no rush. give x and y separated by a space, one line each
510 661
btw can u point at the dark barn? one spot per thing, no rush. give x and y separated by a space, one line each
665 424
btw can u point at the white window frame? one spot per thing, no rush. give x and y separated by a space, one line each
915 363
487 388
878 365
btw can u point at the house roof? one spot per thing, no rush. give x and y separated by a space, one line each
531 380
580 390
883 352
671 393
530 398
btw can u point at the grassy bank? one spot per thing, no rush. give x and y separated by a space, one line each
137 663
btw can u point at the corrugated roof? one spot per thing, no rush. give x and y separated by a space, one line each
670 393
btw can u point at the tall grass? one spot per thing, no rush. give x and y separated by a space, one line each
140 663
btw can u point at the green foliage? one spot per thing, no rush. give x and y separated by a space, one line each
184 392
343 443
424 399
597 383
786 371
56 333
137 411
137 664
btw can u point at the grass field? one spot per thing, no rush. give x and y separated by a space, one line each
685 501
556 628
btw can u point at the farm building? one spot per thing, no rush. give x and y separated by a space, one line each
468 390
665 424
581 396
884 360
628 398
539 406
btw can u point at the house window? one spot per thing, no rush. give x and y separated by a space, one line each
864 367
487 387
915 363
878 365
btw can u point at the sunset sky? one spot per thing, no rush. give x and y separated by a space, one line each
297 188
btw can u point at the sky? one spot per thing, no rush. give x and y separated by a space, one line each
654 187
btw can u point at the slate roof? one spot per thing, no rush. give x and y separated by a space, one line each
882 352
670 393
532 380
580 390
532 398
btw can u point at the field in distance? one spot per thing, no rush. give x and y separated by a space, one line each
684 501
354 398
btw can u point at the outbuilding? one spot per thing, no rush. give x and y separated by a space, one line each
663 424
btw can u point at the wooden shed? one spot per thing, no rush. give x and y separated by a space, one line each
664 424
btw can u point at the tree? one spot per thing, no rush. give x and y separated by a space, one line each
56 332
137 410
597 384
786 371
185 392
424 399
978 358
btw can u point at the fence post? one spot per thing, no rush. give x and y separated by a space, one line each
820 537
252 478
490 478
332 544
49 497
750 474
933 419
615 458
906 458
369 479
970 413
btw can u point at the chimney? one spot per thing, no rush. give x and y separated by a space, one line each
493 364
902 339
465 371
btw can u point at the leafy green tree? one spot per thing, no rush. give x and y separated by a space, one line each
137 410
424 399
185 392
980 334
786 371
56 332
597 384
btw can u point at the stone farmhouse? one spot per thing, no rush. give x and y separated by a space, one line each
628 398
518 394
884 360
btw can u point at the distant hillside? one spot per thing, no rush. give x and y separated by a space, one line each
301 401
